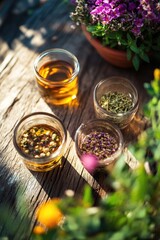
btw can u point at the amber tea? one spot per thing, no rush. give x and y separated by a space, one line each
57 76
56 71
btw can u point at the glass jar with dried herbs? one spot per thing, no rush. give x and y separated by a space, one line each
40 138
101 139
116 99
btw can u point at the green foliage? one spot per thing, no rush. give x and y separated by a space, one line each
137 50
149 141
14 220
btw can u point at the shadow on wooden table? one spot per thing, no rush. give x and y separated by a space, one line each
7 184
12 217
18 23
137 126
57 181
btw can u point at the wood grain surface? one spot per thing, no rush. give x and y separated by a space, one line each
49 26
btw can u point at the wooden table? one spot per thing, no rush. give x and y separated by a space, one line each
49 26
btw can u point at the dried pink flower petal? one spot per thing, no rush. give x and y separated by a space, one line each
89 161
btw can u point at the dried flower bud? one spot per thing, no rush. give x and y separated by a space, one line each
157 74
90 162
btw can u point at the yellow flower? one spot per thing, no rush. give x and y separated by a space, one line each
48 214
157 74
38 230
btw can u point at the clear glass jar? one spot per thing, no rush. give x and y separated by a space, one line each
112 85
40 121
96 127
56 72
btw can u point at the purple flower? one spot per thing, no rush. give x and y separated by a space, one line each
73 2
89 161
138 24
131 6
125 15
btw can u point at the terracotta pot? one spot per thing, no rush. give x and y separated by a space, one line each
116 57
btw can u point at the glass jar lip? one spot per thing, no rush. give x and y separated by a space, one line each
56 50
112 126
43 159
135 106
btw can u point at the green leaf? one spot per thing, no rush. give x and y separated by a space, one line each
87 196
136 62
129 38
156 87
141 186
149 89
134 48
129 54
144 57
118 236
106 40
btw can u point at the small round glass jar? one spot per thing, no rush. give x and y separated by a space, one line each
116 85
93 135
40 121
56 71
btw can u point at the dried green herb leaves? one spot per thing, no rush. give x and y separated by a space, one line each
116 102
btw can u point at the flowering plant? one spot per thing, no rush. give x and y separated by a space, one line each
128 25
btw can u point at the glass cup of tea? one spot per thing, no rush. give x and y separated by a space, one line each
56 72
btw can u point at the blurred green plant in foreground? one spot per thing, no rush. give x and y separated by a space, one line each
131 211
